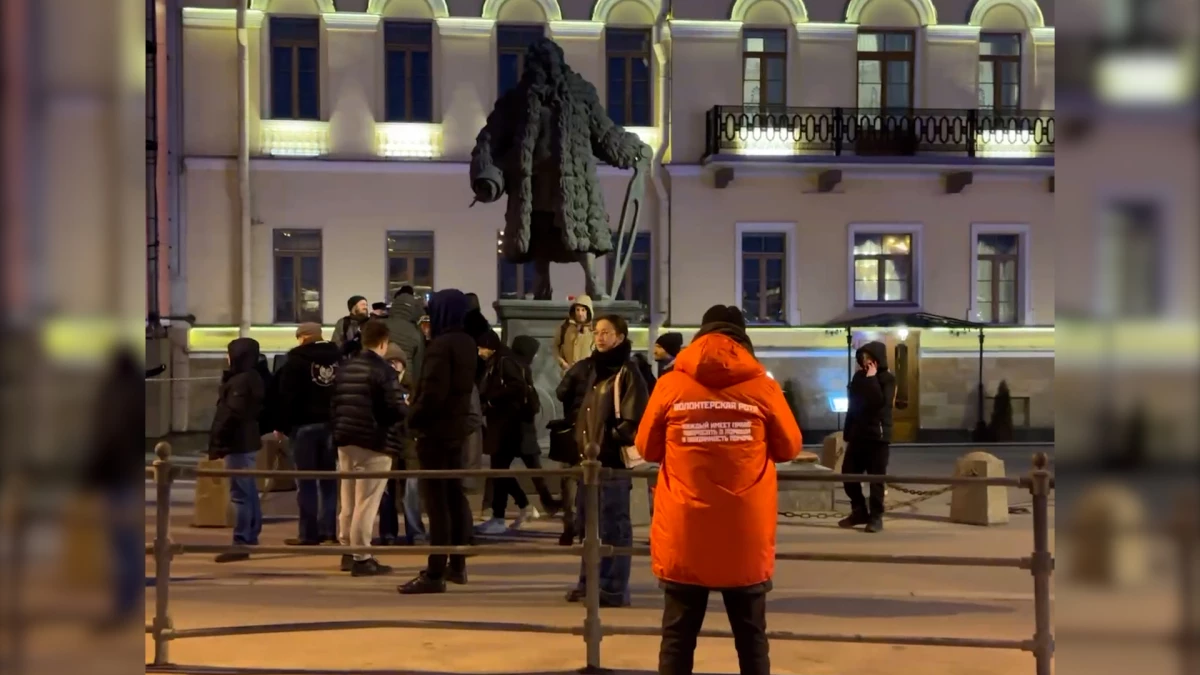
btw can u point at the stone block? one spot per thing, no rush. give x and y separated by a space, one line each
797 496
641 498
212 507
832 450
1106 546
274 456
979 504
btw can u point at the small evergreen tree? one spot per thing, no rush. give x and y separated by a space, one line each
1002 415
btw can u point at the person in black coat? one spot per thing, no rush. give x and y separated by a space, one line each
305 393
235 437
441 408
367 404
868 433
608 391
389 513
510 404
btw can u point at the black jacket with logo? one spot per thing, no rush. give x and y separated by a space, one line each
869 413
367 402
305 382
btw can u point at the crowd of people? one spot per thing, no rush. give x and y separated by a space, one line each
414 385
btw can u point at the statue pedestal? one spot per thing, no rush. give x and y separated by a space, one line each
541 319
797 496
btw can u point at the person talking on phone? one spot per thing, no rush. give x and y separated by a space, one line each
868 433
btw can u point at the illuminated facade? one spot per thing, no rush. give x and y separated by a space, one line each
818 163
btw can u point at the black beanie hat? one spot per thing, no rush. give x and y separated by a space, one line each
354 300
671 343
488 339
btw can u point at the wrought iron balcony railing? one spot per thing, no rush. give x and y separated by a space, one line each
754 131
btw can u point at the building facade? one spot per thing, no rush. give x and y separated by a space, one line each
814 165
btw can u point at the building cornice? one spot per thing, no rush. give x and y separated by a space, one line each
461 26
705 30
351 21
1042 36
207 17
951 33
826 31
576 29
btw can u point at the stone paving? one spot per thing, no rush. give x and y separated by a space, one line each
808 597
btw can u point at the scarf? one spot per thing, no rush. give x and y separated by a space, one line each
609 363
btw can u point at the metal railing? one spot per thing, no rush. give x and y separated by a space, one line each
1039 482
765 131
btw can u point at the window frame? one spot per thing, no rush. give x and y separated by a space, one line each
1024 292
791 307
296 255
272 42
884 58
762 73
524 286
408 49
388 256
994 61
916 272
627 58
520 54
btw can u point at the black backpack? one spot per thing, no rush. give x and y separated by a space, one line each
530 405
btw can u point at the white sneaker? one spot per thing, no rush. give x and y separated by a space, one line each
528 513
492 526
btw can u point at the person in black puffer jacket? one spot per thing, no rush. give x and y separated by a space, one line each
234 437
441 411
868 433
367 403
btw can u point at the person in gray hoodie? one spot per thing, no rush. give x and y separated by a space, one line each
402 322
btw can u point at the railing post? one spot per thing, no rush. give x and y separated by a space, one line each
839 130
1043 640
972 131
592 631
162 551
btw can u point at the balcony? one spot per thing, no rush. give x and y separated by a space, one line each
293 138
928 136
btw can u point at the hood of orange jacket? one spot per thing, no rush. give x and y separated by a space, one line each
717 425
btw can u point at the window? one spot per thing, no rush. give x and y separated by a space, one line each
511 43
764 68
883 268
635 284
997 277
513 280
1000 72
410 261
628 53
885 70
408 69
295 69
1132 274
764 260
297 275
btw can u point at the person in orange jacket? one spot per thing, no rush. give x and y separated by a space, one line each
716 424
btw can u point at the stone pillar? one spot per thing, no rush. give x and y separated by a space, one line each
979 504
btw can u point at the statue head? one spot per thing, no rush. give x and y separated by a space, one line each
544 61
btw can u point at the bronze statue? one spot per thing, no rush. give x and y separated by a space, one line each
540 145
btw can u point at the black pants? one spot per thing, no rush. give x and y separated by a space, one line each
503 488
870 458
683 616
446 505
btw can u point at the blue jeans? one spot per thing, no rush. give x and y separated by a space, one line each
128 562
413 527
616 529
312 445
243 492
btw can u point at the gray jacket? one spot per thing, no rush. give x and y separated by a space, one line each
402 321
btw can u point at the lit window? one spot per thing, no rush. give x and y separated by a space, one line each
999 73
997 277
764 68
410 261
883 268
885 71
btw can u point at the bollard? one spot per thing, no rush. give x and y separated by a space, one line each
1043 640
162 551
592 631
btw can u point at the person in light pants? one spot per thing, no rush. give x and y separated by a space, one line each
366 404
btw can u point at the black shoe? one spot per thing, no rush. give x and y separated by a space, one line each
855 519
875 524
387 540
459 577
329 540
576 594
231 557
567 538
368 568
609 601
347 563
296 541
423 584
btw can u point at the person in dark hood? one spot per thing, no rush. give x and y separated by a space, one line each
540 146
868 433
347 329
305 393
403 322
666 348
440 418
235 437
608 391
510 405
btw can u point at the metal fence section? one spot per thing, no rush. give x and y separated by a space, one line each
1040 563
